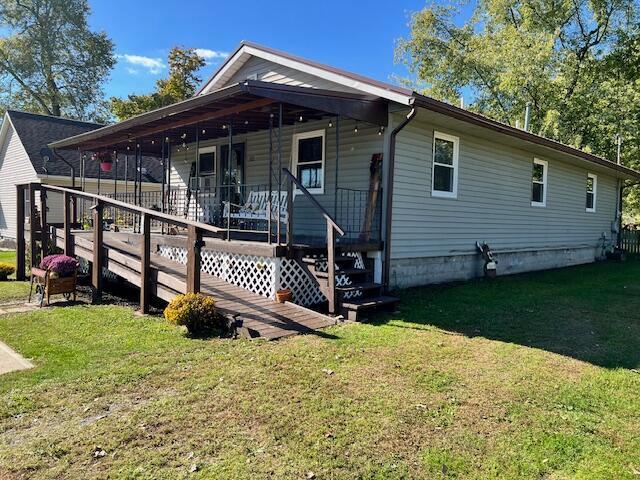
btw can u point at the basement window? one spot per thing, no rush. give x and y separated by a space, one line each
444 175
539 183
308 159
592 187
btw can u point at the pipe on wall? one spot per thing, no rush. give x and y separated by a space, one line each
389 188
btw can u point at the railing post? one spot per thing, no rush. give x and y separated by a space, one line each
33 247
331 268
96 269
44 233
145 263
194 245
20 246
67 218
289 215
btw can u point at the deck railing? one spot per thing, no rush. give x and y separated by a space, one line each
100 203
359 213
332 229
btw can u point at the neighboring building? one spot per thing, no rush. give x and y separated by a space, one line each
449 178
23 135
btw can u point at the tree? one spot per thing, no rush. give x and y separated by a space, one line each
50 61
180 85
569 59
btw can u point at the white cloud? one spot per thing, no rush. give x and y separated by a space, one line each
211 54
152 65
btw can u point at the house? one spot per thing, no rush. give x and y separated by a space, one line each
22 137
286 158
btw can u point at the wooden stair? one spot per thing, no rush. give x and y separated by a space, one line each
358 295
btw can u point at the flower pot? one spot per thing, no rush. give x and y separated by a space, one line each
106 166
284 295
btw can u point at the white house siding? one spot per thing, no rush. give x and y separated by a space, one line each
266 71
493 205
15 168
355 151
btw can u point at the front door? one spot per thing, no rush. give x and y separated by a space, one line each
232 173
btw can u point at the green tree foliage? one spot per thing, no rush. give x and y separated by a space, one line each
181 84
575 61
50 61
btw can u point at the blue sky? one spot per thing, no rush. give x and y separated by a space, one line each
355 35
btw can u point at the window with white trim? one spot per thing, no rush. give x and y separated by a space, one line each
539 183
308 153
592 189
444 174
207 160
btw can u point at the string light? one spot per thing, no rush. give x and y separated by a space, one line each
246 122
300 118
330 123
153 142
204 131
166 139
380 130
356 129
224 127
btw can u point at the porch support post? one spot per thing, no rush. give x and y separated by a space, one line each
198 204
99 175
169 173
96 267
20 246
289 217
145 263
270 198
164 178
279 233
229 157
115 175
44 233
335 194
66 205
32 221
194 245
126 177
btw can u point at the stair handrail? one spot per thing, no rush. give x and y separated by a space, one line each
332 228
327 216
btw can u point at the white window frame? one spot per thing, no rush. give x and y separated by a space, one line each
594 177
210 149
456 154
545 183
294 153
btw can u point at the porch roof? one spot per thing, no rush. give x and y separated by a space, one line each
247 106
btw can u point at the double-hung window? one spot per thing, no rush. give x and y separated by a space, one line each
592 189
308 159
207 160
539 183
444 174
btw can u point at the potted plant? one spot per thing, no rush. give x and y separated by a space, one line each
6 269
106 162
284 295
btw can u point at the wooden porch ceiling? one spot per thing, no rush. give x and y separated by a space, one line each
247 107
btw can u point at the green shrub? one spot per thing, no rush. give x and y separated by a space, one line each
197 312
6 269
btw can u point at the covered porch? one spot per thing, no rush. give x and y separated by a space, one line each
263 162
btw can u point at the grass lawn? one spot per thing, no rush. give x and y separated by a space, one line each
12 291
533 376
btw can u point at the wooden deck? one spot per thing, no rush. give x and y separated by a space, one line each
260 316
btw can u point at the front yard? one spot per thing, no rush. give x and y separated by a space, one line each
524 377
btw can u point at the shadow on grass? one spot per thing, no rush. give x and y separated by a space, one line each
590 312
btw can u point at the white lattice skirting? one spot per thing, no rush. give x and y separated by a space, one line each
261 275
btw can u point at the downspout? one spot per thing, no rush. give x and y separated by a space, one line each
389 188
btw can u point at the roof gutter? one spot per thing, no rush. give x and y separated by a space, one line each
389 188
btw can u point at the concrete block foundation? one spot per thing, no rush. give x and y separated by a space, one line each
412 272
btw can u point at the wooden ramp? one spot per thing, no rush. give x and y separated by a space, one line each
259 316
